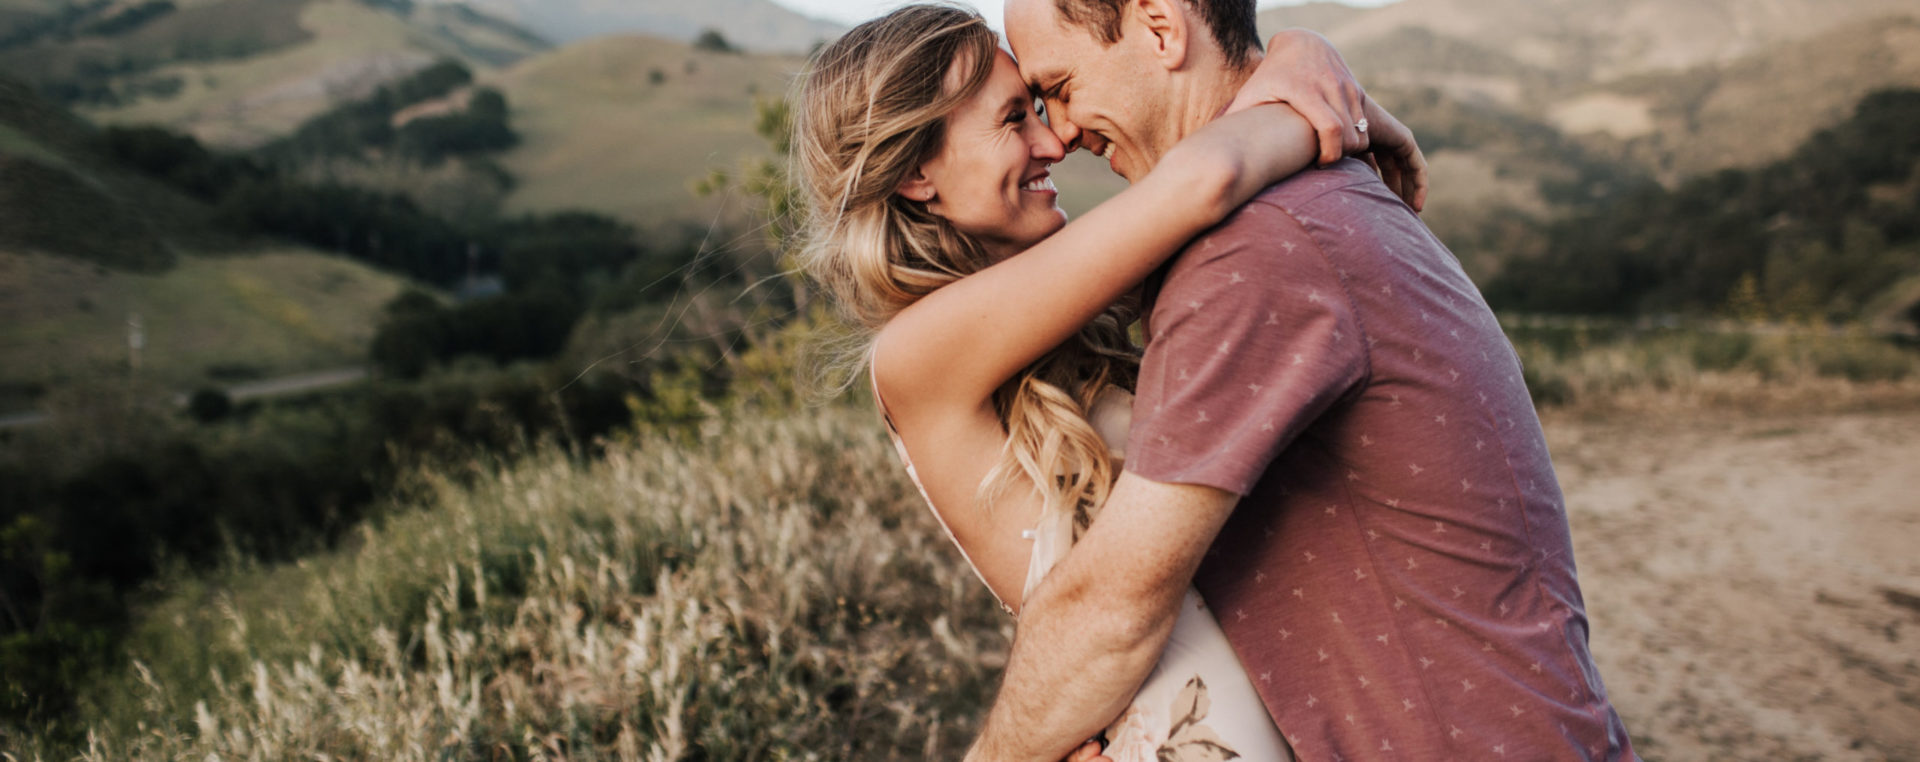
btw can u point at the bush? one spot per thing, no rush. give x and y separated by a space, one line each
712 41
210 405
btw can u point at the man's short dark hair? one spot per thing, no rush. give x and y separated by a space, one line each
1231 21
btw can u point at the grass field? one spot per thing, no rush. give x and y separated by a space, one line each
64 322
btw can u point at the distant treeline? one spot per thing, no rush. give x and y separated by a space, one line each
477 126
1815 235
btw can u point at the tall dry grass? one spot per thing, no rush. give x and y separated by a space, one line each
750 588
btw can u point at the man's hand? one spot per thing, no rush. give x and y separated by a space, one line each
1303 70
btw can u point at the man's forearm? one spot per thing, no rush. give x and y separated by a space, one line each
1076 664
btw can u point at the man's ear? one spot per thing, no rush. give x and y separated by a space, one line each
1164 28
917 186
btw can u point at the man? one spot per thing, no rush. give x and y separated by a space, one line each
1331 441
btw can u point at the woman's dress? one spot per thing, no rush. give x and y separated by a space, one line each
1198 703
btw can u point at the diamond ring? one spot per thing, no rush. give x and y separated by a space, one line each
1361 126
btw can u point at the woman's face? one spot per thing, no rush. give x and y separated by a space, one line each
990 179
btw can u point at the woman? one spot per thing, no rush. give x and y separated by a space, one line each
996 333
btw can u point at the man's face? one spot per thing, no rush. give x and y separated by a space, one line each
1107 99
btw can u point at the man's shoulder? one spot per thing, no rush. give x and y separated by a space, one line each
1314 183
1282 214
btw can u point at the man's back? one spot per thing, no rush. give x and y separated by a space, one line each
1398 577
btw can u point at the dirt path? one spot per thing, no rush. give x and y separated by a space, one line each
1754 583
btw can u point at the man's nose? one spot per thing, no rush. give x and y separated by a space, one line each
1063 128
1044 144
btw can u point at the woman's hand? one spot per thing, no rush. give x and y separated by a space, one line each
1302 70
1396 156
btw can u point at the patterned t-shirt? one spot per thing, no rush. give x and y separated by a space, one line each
1398 577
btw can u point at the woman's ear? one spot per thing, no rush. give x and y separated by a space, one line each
917 186
1164 28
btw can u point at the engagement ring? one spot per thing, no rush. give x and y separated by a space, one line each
1362 126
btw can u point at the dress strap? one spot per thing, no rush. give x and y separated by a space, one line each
900 446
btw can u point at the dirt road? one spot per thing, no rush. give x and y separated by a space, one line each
1754 583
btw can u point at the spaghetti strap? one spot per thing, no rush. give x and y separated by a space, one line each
900 446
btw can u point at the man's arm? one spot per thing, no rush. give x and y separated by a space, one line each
1090 634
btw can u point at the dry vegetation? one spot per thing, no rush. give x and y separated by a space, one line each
753 588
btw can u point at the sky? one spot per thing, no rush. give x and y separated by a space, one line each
855 11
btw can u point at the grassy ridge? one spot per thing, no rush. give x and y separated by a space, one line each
758 588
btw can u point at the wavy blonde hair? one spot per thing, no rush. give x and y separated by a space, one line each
873 108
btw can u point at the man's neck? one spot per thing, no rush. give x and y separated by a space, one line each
1211 95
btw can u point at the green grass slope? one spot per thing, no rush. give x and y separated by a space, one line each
59 195
207 320
625 125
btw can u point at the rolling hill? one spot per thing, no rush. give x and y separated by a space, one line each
237 73
86 243
758 25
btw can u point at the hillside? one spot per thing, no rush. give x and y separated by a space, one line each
236 73
758 25
1602 40
624 125
1754 109
1675 88
59 193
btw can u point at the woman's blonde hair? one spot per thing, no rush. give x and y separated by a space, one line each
873 108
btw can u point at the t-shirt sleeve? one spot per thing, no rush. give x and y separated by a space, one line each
1252 338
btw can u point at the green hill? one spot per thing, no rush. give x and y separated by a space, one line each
237 73
86 243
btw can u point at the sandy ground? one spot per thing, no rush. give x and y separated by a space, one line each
1754 582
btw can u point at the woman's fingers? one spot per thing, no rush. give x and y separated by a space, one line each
1355 102
1088 753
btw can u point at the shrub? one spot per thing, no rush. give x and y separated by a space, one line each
210 405
712 41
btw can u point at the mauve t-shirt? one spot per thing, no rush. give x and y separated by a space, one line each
1398 577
